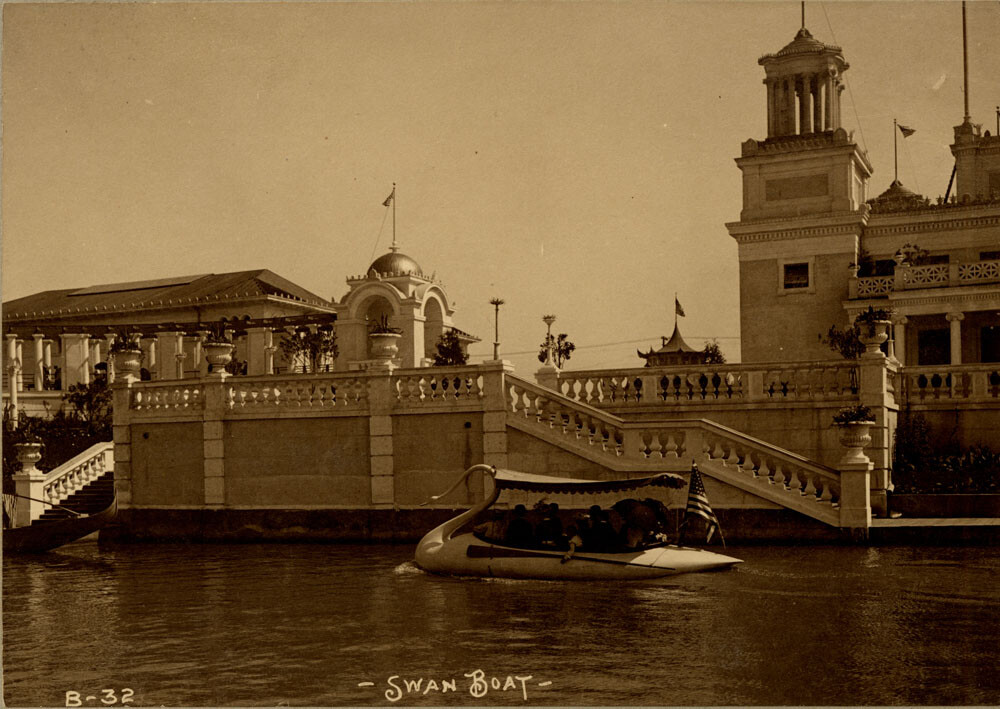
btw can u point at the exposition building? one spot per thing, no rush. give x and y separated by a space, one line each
355 452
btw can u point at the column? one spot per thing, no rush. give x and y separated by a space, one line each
380 443
151 354
771 113
790 105
110 360
76 360
29 483
166 348
47 359
179 356
805 105
269 350
899 338
828 101
20 366
213 439
495 412
955 320
256 356
39 361
817 105
13 365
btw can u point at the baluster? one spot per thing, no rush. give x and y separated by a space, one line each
733 458
827 493
809 490
779 473
670 451
655 445
762 470
717 451
794 483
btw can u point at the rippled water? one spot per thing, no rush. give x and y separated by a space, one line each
306 625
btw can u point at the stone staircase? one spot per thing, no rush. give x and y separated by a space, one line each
760 468
92 498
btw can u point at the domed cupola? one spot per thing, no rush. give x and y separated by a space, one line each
395 264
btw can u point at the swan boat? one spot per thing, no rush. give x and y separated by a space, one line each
443 550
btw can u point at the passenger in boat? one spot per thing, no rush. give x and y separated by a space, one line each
573 541
603 537
549 532
520 532
494 529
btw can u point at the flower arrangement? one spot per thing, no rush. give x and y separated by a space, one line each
125 341
873 315
382 327
854 414
217 333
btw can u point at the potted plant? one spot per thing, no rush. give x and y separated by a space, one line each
384 338
873 327
854 423
217 346
29 448
126 353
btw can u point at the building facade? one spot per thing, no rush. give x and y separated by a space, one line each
815 250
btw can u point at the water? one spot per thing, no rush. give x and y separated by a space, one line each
306 624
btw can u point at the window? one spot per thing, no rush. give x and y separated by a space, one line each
989 255
796 275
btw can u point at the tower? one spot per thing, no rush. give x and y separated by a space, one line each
804 191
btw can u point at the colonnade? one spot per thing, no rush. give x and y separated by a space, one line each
803 103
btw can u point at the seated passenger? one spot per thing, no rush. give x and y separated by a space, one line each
549 532
602 534
573 541
520 532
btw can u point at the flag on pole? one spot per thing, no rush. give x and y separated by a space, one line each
697 503
677 307
906 131
392 196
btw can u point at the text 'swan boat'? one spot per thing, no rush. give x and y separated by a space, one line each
468 554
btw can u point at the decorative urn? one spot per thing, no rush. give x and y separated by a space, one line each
218 354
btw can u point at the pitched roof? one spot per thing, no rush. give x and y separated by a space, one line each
178 291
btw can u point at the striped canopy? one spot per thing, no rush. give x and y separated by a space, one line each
527 482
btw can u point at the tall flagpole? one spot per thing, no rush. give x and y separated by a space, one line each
895 151
395 246
965 64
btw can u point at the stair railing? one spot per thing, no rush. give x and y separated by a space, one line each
44 490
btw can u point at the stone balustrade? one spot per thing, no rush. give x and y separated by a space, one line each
345 391
39 491
437 385
176 397
656 387
937 275
951 384
746 462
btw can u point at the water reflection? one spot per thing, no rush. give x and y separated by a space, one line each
304 625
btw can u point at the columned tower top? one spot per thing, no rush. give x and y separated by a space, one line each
803 87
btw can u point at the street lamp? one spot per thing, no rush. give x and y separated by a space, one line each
548 320
496 303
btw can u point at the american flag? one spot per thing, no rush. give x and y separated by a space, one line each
698 503
392 196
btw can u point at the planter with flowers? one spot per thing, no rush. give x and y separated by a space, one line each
217 347
384 339
126 355
873 328
855 423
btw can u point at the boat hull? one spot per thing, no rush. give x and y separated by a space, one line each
467 555
38 538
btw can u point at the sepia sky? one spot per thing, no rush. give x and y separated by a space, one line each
573 158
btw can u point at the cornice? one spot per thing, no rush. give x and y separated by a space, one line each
906 224
783 228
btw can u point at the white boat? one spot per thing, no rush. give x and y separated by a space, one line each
468 554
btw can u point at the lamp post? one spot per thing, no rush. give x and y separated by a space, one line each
548 320
496 303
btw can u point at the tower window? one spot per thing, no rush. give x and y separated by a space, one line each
796 275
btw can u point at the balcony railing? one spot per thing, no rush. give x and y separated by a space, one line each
937 275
